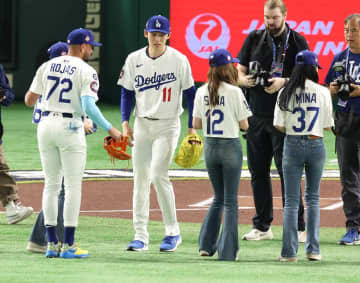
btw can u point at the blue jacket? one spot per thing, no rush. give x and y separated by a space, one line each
4 84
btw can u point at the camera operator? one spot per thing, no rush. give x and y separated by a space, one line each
275 48
347 124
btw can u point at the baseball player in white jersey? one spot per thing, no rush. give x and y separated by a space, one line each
69 87
157 76
303 110
221 110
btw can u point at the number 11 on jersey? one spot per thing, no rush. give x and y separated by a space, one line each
166 94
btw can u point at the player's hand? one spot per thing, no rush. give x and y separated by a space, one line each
116 134
88 126
276 84
356 91
127 131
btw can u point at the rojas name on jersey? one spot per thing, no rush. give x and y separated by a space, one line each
155 81
58 68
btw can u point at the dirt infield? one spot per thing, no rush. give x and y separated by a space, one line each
113 198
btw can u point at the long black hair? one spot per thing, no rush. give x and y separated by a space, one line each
299 74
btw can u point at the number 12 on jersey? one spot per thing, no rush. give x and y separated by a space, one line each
214 119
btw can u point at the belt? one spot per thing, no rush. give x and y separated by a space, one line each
65 115
310 137
151 119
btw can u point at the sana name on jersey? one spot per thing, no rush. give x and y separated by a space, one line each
58 68
221 100
155 81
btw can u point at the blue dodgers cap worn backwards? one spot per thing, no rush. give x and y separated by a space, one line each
307 57
81 36
221 57
158 23
58 49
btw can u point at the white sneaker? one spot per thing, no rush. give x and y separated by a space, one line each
257 235
18 212
302 236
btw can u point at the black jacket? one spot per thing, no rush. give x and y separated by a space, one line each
258 46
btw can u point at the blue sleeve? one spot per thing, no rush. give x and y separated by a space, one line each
331 75
190 93
90 108
4 83
127 101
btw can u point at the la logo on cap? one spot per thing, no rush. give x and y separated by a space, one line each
157 24
87 38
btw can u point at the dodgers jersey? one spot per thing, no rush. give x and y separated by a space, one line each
222 121
312 111
62 81
158 83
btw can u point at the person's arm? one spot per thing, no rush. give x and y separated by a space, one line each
190 96
197 123
280 128
31 98
127 102
8 94
94 113
244 125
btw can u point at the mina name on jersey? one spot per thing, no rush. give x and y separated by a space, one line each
158 83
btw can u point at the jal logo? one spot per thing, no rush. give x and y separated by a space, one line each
206 33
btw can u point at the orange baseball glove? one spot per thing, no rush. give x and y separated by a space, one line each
116 150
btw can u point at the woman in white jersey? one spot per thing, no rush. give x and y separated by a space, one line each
303 111
221 110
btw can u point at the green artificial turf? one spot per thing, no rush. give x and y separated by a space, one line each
106 240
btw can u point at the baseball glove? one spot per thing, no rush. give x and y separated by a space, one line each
190 151
116 150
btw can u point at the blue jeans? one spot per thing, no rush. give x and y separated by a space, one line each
38 233
223 158
301 152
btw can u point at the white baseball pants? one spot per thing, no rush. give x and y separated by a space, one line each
154 146
62 149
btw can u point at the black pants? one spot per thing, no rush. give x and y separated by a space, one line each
348 152
263 143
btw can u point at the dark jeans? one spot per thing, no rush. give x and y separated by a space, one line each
301 153
38 234
223 158
348 152
263 143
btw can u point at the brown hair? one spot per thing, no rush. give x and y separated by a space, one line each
272 4
225 73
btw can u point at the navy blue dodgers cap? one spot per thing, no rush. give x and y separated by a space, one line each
81 36
221 57
58 49
158 23
307 57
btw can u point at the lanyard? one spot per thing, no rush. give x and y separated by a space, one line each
282 59
347 64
